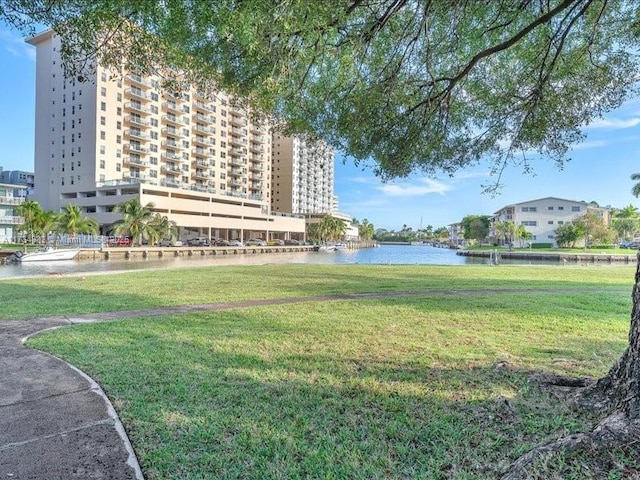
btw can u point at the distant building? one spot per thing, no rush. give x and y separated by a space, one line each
18 177
456 233
302 174
9 220
542 216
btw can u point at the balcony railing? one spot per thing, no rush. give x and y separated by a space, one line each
11 201
130 147
136 120
137 79
136 93
136 134
135 162
11 220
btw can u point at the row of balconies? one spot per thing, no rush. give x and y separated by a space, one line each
11 200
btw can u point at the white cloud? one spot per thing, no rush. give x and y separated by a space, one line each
614 123
423 187
16 46
591 144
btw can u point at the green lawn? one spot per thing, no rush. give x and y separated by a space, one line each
372 388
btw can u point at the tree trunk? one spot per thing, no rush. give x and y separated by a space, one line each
619 390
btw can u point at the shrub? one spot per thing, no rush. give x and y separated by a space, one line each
542 245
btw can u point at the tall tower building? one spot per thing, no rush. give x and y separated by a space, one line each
199 159
303 175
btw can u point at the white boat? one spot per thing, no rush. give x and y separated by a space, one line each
48 255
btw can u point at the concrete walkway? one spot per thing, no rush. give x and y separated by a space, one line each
57 424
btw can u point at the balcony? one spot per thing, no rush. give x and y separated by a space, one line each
235 172
237 152
258 129
11 220
200 163
256 167
171 170
237 110
203 129
11 200
202 141
201 152
170 182
172 107
255 187
134 148
136 93
174 121
234 182
135 162
176 132
136 120
255 148
256 177
237 132
169 143
137 108
202 188
237 142
236 121
137 134
237 161
138 80
258 139
203 118
204 106
171 157
200 175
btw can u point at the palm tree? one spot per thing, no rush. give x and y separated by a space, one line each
636 188
135 220
160 227
30 211
332 228
366 230
73 222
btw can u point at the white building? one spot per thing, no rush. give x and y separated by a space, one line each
200 160
9 220
541 217
302 173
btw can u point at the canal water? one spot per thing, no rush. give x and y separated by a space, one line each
384 255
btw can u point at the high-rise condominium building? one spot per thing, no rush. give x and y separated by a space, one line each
199 159
302 175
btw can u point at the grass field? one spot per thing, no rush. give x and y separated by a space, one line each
424 386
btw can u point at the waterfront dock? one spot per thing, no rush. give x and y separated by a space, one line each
585 257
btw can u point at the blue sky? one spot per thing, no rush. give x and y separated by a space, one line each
599 170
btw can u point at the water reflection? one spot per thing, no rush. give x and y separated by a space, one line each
385 255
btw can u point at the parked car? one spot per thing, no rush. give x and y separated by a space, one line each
291 241
221 242
235 243
632 245
198 242
258 242
167 242
276 242
118 242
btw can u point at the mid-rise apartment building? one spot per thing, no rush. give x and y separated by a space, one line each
9 218
542 216
302 175
198 158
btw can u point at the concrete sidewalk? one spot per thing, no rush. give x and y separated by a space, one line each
55 422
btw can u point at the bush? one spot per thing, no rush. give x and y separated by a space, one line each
542 245
603 246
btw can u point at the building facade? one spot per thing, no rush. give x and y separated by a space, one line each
18 177
9 219
542 216
193 154
302 175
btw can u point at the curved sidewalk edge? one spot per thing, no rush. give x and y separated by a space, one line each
55 421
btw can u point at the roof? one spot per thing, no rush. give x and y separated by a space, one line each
548 198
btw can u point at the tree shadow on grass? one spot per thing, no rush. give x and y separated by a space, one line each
250 394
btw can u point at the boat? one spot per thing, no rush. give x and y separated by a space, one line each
47 255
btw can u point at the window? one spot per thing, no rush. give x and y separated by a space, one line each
102 177
64 112
154 122
103 120
550 222
560 208
118 125
118 139
102 149
529 209
154 97
119 111
529 223
103 76
560 222
103 106
103 135
153 174
550 208
575 209
118 167
154 135
119 97
550 237
102 164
